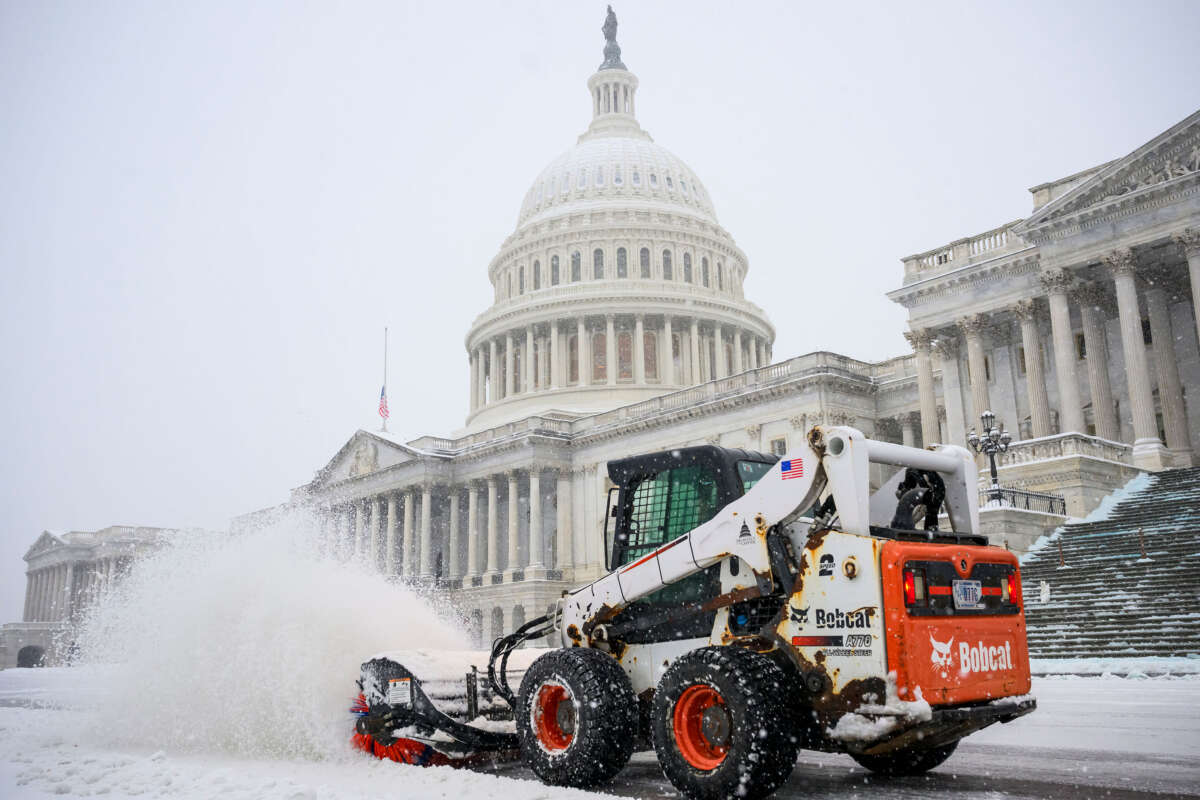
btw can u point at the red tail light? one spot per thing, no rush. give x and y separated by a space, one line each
910 587
1010 588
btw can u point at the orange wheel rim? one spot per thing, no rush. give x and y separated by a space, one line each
697 711
553 717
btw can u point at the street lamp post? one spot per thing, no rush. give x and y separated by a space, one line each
993 441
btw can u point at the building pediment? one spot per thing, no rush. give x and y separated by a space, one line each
44 544
366 452
1167 162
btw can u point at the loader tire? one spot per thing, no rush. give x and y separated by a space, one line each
722 725
576 717
909 761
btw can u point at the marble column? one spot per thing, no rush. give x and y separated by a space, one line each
556 378
68 593
668 347
473 529
25 609
536 557
1189 242
481 367
372 533
1148 450
972 328
514 523
1035 378
471 359
738 366
1057 283
493 372
493 527
639 350
1166 365
1094 306
694 347
956 420
610 349
719 351
389 559
427 530
581 345
360 528
509 363
452 570
527 365
922 342
410 549
907 436
562 555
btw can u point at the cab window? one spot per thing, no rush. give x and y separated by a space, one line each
667 505
751 472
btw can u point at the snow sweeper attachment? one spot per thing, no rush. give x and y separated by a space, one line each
750 606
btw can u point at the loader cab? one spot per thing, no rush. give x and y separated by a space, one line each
659 497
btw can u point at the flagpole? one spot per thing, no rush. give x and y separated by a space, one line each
385 344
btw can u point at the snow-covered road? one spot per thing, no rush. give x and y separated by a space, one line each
1091 737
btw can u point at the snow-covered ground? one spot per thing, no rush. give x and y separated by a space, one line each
1116 737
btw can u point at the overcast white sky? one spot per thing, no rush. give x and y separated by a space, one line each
209 211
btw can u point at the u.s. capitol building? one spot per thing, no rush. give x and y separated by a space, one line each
619 326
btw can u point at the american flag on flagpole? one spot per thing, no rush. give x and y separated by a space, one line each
383 409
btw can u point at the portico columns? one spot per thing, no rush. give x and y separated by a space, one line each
610 350
921 342
738 366
426 530
372 533
1170 396
956 423
1189 241
972 328
452 543
508 365
694 347
527 363
493 534
1092 302
360 528
1057 282
1035 379
410 550
1148 450
556 378
639 351
472 529
389 557
68 598
513 522
562 554
493 373
719 345
907 435
472 359
668 348
536 559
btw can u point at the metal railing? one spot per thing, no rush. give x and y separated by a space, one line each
1024 500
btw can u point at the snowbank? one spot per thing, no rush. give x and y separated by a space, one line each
1138 667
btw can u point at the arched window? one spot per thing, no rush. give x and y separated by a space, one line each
521 280
720 275
683 185
704 271
599 176
622 265
624 356
668 273
670 185
637 177
599 357
576 269
554 270
653 181
517 363
687 267
618 179
518 615
650 353
573 358
598 264
537 275
644 256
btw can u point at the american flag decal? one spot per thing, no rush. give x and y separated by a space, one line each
792 468
383 409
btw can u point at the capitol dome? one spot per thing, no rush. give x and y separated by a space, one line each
618 283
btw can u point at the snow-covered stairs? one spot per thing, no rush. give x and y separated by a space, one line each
1108 600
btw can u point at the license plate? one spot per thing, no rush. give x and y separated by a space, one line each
968 594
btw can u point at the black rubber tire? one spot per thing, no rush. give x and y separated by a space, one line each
605 724
763 743
906 762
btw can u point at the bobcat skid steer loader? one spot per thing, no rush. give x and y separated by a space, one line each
752 607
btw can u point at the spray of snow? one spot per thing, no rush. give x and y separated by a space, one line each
248 644
872 721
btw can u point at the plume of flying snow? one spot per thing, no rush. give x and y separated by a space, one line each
247 643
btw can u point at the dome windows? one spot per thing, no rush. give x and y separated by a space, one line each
599 176
598 264
582 184
622 263
554 270
683 186
720 276
644 257
668 273
566 184
537 275
704 272
653 181
617 177
576 267
687 267
521 280
670 184
637 177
